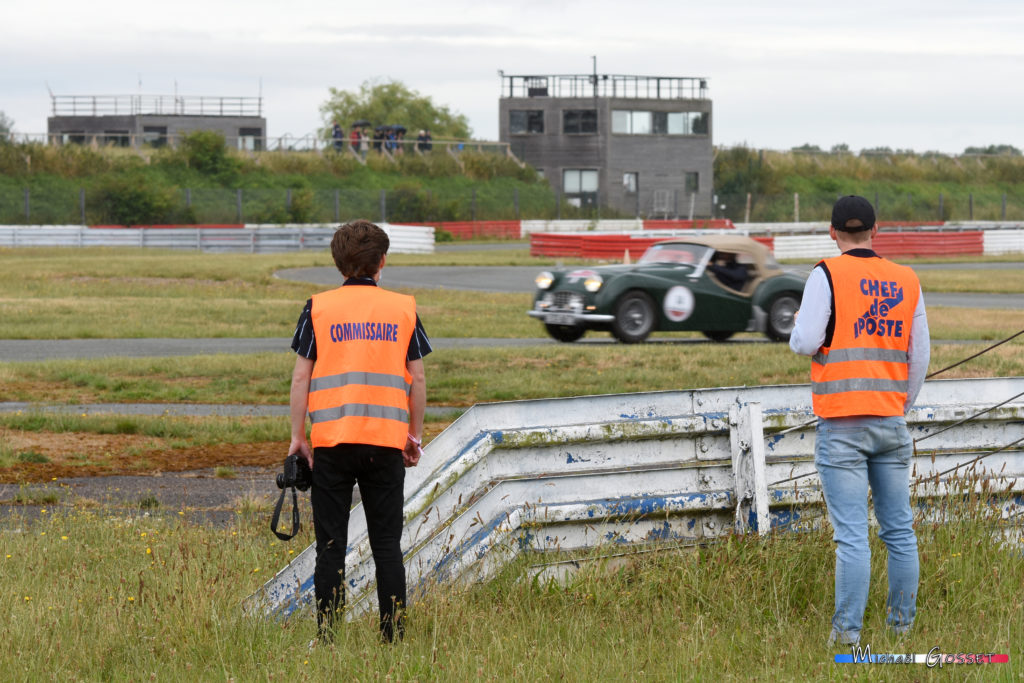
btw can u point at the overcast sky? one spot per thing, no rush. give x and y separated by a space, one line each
921 75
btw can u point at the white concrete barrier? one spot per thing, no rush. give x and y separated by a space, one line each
527 227
619 225
804 246
628 470
1004 241
255 238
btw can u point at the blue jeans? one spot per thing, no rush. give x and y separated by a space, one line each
850 454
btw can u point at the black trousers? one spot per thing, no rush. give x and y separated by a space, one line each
380 474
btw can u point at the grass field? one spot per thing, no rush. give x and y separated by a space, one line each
91 595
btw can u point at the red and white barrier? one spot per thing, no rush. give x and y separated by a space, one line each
604 239
804 240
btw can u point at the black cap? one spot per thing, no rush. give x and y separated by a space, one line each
852 207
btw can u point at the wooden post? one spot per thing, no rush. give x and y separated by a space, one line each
796 207
746 437
746 211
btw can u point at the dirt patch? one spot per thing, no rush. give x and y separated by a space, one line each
100 455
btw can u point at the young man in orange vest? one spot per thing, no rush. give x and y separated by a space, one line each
862 321
359 375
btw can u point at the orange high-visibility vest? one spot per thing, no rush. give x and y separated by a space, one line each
359 392
864 369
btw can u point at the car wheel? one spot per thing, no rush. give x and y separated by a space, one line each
718 335
782 316
565 333
634 318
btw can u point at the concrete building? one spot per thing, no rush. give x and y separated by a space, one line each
640 145
136 120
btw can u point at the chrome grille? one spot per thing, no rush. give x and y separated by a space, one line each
568 300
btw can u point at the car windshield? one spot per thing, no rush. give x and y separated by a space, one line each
684 254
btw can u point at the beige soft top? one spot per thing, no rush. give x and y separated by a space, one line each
757 254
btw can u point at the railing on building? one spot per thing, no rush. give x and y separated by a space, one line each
605 85
310 142
158 105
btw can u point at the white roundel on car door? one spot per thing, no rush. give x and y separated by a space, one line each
678 304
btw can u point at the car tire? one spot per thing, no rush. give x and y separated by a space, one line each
635 318
718 335
565 333
782 316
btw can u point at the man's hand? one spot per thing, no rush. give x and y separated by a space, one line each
301 447
412 451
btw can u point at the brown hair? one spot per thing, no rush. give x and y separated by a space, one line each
358 247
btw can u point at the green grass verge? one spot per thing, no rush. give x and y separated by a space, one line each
154 597
165 431
454 376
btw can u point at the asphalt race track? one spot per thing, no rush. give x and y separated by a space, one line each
473 278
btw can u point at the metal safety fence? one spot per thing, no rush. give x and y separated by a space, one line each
254 239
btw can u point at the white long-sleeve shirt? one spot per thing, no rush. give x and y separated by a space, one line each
816 308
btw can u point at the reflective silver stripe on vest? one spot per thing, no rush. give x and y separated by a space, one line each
359 410
840 386
373 379
840 355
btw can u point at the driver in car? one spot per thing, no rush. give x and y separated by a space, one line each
728 271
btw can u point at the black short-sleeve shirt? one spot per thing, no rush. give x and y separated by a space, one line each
304 342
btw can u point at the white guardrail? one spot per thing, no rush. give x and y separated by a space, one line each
627 471
256 239
791 240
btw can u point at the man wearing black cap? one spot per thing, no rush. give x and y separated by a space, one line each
862 321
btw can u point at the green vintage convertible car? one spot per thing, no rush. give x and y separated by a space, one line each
714 284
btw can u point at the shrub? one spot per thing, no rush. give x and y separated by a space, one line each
207 152
130 200
303 207
412 203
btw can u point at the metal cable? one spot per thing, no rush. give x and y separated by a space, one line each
968 419
932 476
978 459
916 441
939 372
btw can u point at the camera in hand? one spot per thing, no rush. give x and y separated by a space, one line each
296 473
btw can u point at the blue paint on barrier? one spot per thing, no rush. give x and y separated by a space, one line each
662 533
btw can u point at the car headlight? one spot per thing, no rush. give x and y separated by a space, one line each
544 280
593 282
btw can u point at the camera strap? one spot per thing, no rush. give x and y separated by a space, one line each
277 515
